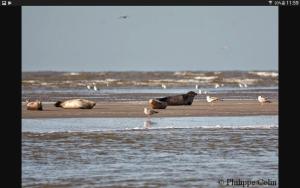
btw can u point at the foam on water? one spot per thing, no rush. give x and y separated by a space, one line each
125 124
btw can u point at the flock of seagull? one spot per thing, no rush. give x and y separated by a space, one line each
241 85
209 99
92 87
164 86
37 105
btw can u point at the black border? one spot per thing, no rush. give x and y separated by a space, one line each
11 95
143 2
11 89
288 91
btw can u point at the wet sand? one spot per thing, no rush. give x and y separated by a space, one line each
135 109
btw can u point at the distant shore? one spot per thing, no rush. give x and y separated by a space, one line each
135 109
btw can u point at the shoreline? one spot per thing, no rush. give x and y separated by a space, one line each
134 109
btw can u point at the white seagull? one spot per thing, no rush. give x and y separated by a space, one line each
163 86
241 85
196 87
200 92
263 100
95 88
217 85
149 112
212 99
88 86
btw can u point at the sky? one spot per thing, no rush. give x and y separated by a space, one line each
149 38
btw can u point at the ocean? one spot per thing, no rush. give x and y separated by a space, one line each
227 151
156 152
140 86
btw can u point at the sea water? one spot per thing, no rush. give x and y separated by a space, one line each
156 152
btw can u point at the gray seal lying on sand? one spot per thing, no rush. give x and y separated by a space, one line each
184 99
76 104
34 105
156 104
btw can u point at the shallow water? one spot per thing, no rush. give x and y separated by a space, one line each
143 94
156 152
174 90
123 124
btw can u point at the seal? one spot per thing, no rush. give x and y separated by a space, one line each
156 104
184 99
76 104
34 105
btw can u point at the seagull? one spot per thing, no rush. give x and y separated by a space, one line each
163 86
123 17
197 86
212 99
205 92
89 87
263 100
245 85
149 112
95 87
217 85
241 85
200 92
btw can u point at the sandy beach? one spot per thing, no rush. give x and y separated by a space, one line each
135 109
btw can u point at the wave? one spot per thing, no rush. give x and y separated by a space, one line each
209 127
144 79
265 74
142 128
238 80
72 74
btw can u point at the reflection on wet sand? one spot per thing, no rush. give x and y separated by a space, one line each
148 124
